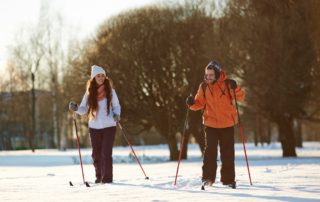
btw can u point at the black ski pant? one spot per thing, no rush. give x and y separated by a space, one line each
224 137
102 144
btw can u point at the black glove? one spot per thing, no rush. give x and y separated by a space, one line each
233 84
116 117
73 106
190 100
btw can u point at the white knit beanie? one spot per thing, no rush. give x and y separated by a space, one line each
95 70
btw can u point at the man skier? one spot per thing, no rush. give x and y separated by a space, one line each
215 97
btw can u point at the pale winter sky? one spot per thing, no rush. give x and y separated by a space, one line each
82 15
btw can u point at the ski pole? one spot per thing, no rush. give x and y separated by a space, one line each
181 145
184 131
134 153
242 135
78 144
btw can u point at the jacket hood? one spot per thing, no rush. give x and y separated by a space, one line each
222 76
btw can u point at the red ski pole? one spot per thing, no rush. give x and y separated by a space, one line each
78 144
181 146
242 136
134 153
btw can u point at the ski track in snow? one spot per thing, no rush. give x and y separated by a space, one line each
45 175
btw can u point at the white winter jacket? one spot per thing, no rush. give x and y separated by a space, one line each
101 119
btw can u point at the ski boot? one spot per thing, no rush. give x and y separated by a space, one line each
206 183
232 185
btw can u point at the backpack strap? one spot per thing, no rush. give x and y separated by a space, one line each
204 88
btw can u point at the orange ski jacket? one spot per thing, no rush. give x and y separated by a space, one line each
219 111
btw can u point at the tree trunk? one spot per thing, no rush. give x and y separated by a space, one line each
257 131
286 133
199 136
1 142
185 145
64 131
54 101
172 143
298 134
33 124
196 128
269 132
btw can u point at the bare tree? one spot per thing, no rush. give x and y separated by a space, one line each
156 56
27 54
277 56
39 48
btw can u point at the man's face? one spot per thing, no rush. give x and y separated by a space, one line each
210 75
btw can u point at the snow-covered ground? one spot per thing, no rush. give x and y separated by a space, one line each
45 175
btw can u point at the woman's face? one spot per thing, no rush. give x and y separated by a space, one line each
100 79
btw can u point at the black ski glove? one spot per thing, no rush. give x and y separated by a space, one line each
116 117
233 84
73 106
190 100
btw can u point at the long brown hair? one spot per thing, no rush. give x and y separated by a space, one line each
92 92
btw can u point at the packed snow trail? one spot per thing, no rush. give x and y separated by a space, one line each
26 176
